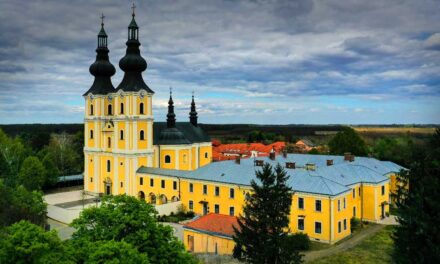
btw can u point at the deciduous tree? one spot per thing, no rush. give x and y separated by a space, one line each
348 140
32 173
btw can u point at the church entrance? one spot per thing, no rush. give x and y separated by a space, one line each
108 186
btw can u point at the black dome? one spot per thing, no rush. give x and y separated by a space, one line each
172 136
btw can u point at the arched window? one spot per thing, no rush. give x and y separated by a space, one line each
141 195
91 134
141 108
109 142
142 135
122 108
167 159
91 109
121 135
108 166
109 109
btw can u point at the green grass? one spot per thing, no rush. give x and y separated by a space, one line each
376 249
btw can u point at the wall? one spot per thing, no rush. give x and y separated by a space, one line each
204 243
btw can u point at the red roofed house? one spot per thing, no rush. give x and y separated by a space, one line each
211 233
244 150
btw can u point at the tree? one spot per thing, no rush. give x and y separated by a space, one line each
24 242
12 154
394 149
417 238
51 169
32 173
18 203
113 252
262 234
348 140
125 218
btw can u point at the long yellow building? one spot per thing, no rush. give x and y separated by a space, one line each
126 152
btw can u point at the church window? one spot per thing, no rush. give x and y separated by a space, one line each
162 184
91 179
108 166
122 108
91 109
121 135
167 159
152 182
206 155
109 142
141 181
109 110
174 185
91 134
141 108
142 135
122 184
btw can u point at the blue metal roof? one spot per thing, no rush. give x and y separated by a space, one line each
324 180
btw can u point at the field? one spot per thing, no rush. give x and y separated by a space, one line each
375 249
395 131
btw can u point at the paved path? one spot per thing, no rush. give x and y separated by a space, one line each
344 245
64 231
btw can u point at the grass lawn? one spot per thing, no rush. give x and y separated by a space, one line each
376 249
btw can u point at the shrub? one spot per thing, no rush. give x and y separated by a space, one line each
355 224
300 241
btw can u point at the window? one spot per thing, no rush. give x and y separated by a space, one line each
108 166
354 211
122 184
185 159
167 159
91 109
339 205
141 108
300 203
383 189
344 203
121 135
174 185
122 108
318 229
91 134
151 182
109 142
109 109
162 184
142 135
354 193
191 187
231 193
191 205
300 223
217 191
231 211
359 191
318 205
141 181
216 208
345 224
205 189
91 179
206 155
339 227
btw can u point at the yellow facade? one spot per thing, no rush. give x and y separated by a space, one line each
199 242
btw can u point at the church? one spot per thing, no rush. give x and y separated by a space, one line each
127 152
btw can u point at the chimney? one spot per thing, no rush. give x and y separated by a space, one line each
272 154
259 163
310 166
329 162
347 156
285 153
290 165
237 159
351 158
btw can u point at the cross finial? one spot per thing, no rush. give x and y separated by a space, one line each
171 90
102 19
133 7
193 94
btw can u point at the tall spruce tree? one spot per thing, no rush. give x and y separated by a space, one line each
262 235
417 238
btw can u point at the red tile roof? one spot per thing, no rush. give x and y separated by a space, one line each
214 223
218 151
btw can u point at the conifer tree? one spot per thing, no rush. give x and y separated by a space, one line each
417 238
262 233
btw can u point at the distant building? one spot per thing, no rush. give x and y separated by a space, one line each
211 233
245 150
305 145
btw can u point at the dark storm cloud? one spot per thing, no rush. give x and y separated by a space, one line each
258 51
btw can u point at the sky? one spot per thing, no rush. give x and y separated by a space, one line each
260 61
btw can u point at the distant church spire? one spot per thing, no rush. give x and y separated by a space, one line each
102 69
132 63
171 117
193 112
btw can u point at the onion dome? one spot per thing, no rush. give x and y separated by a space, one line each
132 63
102 69
193 112
171 135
